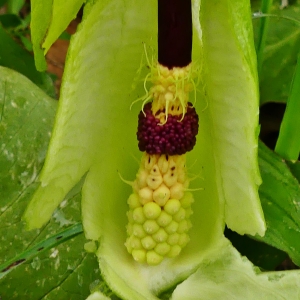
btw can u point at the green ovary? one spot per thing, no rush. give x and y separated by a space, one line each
159 209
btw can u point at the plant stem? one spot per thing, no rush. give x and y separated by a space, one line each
174 33
263 29
288 143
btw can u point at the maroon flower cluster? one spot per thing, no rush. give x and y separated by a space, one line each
175 137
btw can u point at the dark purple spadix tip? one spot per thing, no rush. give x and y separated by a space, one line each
175 137
174 33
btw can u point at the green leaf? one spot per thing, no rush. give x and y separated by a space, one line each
260 254
280 197
9 20
295 169
262 32
64 272
14 6
288 142
280 54
228 276
2 2
21 100
41 12
15 57
63 12
49 19
39 248
65 36
27 44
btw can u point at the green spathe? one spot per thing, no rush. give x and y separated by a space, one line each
227 275
229 67
94 134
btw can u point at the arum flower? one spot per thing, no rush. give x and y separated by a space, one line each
94 137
